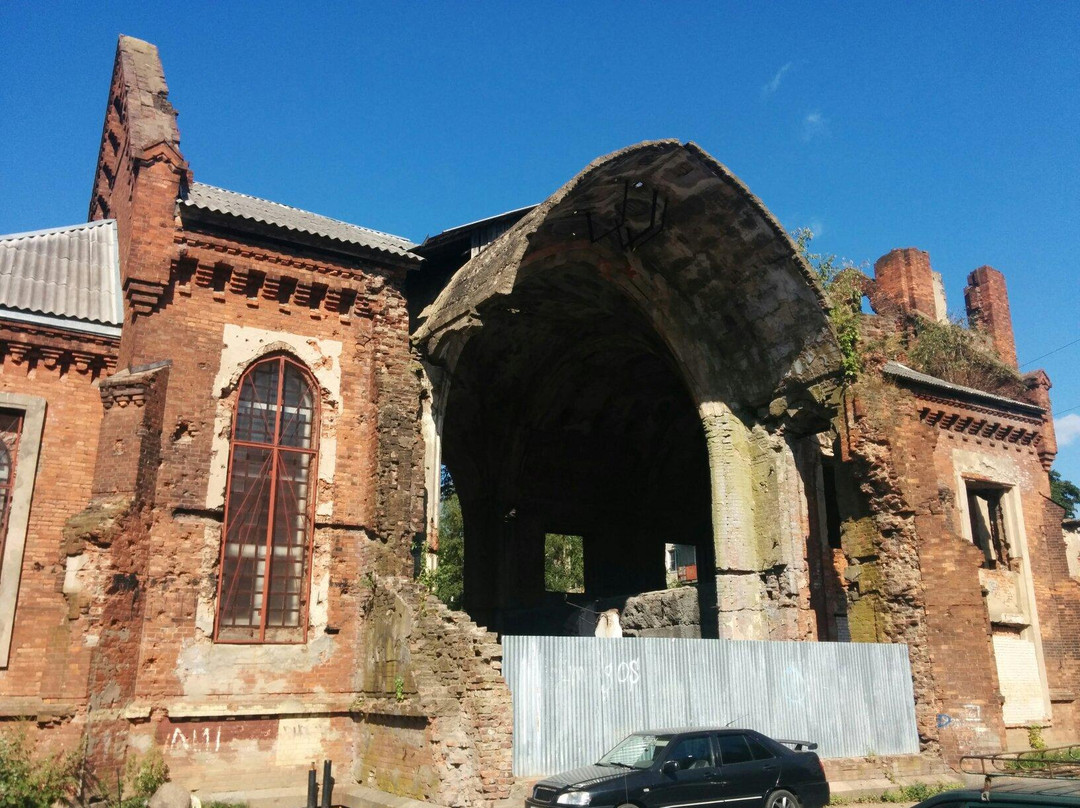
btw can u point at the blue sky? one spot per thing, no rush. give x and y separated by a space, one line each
948 127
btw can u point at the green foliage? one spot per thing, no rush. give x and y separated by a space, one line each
399 689
146 774
842 282
1035 737
564 563
917 792
31 780
1065 494
962 356
220 804
903 794
446 581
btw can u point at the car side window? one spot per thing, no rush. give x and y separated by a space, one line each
692 753
758 749
733 749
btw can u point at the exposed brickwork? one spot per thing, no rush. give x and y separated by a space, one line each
905 280
987 303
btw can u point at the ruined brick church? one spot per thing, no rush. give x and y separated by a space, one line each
223 422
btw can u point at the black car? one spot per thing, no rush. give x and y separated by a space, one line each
693 767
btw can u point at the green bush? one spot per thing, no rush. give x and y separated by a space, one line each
31 780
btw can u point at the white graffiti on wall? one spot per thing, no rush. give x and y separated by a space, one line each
197 741
622 675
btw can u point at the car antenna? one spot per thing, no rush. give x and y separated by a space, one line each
732 721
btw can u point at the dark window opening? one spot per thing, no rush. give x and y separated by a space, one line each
114 143
318 293
346 302
680 564
285 290
832 510
255 281
263 587
986 517
10 430
222 273
564 563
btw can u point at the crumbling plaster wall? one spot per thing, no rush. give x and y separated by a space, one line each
761 527
435 715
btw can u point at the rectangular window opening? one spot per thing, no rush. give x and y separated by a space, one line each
222 273
255 281
564 563
680 564
318 293
285 290
986 519
346 302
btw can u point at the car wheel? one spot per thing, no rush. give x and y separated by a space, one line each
782 799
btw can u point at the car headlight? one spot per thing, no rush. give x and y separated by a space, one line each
574 798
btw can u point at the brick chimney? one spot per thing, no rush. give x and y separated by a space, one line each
904 279
987 304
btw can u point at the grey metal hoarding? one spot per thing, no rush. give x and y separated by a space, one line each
574 697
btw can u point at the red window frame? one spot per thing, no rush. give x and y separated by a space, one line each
11 447
226 629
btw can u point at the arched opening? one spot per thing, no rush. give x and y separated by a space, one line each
568 416
266 543
642 360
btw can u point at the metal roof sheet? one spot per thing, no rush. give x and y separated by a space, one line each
899 371
65 276
209 198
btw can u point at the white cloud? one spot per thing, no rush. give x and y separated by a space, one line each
774 85
1067 429
815 125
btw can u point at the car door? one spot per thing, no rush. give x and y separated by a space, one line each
693 779
745 780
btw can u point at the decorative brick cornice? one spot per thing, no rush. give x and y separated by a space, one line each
128 388
144 297
214 248
232 273
980 423
30 345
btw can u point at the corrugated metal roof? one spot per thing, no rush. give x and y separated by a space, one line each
66 276
209 198
904 372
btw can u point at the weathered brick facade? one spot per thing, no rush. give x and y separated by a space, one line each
828 512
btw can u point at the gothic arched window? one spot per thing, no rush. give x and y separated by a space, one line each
266 551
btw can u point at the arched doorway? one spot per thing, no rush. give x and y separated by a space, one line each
637 362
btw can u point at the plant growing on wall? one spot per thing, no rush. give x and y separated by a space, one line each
842 283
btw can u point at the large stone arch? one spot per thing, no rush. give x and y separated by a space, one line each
644 345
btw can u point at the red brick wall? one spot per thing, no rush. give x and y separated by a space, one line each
987 302
904 279
50 647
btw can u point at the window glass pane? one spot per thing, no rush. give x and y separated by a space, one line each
692 753
758 749
5 465
256 407
290 539
638 751
733 749
297 411
247 517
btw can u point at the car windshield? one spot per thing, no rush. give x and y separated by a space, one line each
636 751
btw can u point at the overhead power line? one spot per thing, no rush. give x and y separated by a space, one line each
1062 348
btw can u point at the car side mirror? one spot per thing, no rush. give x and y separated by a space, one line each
670 767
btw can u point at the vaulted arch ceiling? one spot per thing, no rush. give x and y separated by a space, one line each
701 260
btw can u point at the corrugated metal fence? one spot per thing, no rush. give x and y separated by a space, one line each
574 697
